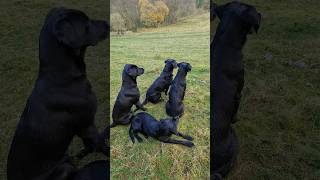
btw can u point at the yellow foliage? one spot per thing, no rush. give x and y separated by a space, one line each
152 14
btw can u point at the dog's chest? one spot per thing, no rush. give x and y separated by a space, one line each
70 102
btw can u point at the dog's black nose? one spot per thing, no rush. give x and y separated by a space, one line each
142 70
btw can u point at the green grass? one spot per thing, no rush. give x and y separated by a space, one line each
187 40
279 115
21 22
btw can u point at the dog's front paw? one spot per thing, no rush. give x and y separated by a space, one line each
189 144
188 138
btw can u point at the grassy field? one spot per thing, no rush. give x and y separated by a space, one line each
21 22
186 41
279 117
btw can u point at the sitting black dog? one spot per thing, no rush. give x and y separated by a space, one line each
161 84
161 130
174 106
62 103
227 75
128 96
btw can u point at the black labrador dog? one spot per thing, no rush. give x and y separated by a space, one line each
128 96
62 104
227 75
175 106
161 130
162 83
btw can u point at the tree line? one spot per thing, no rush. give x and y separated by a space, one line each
134 14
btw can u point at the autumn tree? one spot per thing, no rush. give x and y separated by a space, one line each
152 13
117 23
129 12
179 9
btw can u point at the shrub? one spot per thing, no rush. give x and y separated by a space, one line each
152 14
117 23
128 10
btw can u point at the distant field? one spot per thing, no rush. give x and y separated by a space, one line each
279 117
187 41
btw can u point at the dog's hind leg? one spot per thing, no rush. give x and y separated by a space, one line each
145 135
184 136
63 171
174 141
97 170
131 134
92 141
112 125
135 133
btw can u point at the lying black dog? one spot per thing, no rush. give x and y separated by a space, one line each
128 96
161 84
161 130
174 106
62 103
236 21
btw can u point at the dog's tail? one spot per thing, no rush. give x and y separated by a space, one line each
106 132
112 125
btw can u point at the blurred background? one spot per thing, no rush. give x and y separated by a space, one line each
279 116
21 22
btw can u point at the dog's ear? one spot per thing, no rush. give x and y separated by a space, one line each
179 65
218 10
131 70
253 18
189 67
174 63
65 32
213 6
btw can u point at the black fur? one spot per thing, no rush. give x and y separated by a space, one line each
161 84
128 96
162 130
227 74
97 170
61 104
175 106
